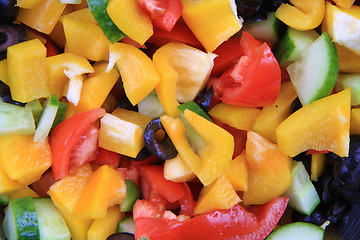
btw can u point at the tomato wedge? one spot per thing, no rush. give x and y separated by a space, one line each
255 80
65 137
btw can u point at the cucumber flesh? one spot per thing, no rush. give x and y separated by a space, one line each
195 140
6 107
47 119
110 30
20 121
297 231
293 44
314 73
51 224
350 80
126 225
269 30
21 221
132 194
151 106
36 109
302 193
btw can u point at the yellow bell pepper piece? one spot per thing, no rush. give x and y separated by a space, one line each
273 115
26 63
303 15
349 62
101 228
31 34
66 67
184 71
110 103
123 132
27 3
237 173
95 89
214 158
318 162
321 125
238 117
4 72
138 72
24 168
6 184
65 193
130 19
177 170
212 21
84 36
355 121
105 188
217 196
23 192
43 17
344 3
58 34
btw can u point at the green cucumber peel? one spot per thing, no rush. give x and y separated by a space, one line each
132 194
110 30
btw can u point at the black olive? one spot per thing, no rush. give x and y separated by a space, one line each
142 155
8 11
11 34
125 103
5 95
164 149
247 7
204 98
121 236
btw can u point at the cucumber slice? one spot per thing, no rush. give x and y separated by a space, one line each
151 106
20 121
293 44
21 221
195 140
314 73
297 231
269 30
60 115
126 225
6 107
132 194
302 193
110 30
349 80
47 119
36 109
51 224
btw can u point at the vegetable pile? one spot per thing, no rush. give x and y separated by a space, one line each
179 119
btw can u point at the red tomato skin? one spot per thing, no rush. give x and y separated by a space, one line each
66 135
187 203
163 13
154 176
214 225
268 215
107 157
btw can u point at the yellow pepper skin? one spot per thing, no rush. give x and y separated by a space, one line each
216 196
4 72
131 19
43 17
138 72
23 192
184 71
84 37
101 228
26 63
28 3
6 184
105 188
327 129
59 64
303 15
214 158
65 193
212 21
355 121
273 115
238 117
237 173
344 3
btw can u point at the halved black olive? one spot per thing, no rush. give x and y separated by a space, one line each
11 34
121 236
8 11
247 7
204 98
164 149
